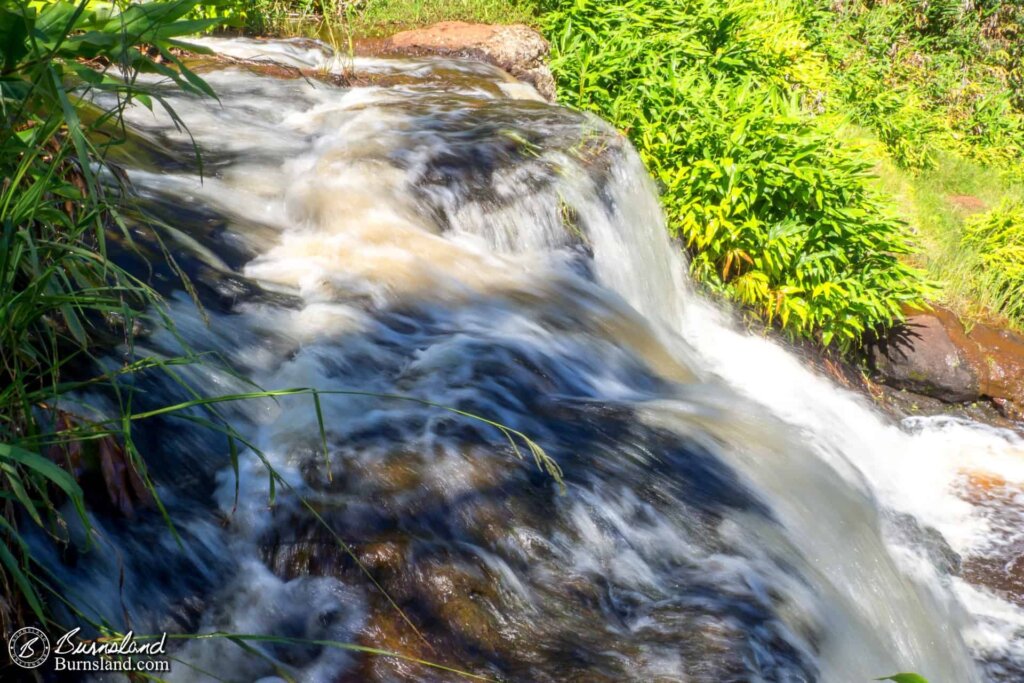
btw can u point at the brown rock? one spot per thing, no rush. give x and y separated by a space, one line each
1000 355
462 596
934 354
926 355
385 557
517 49
386 630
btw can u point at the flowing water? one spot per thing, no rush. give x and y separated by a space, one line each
437 232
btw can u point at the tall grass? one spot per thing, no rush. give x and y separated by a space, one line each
60 297
277 17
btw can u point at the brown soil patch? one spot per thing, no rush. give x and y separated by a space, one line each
966 202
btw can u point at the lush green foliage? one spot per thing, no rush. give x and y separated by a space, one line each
717 96
929 75
273 16
339 20
937 203
996 239
384 17
940 85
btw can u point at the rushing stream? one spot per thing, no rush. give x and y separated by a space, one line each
439 233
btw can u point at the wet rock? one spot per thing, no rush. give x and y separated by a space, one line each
303 548
1000 568
894 401
1000 354
907 530
385 557
900 404
933 354
517 49
463 597
385 630
713 650
924 355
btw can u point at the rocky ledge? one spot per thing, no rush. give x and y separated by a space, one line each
516 48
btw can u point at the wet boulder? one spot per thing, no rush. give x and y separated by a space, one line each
1001 359
926 355
517 48
910 532
934 354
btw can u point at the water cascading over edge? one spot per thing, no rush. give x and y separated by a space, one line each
436 234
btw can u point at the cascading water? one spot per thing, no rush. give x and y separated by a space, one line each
436 233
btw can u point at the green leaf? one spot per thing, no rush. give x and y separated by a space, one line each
7 559
14 28
904 678
48 470
41 465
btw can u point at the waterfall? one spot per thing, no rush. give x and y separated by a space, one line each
435 232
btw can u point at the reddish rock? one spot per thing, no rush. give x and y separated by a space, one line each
1000 354
517 49
932 353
